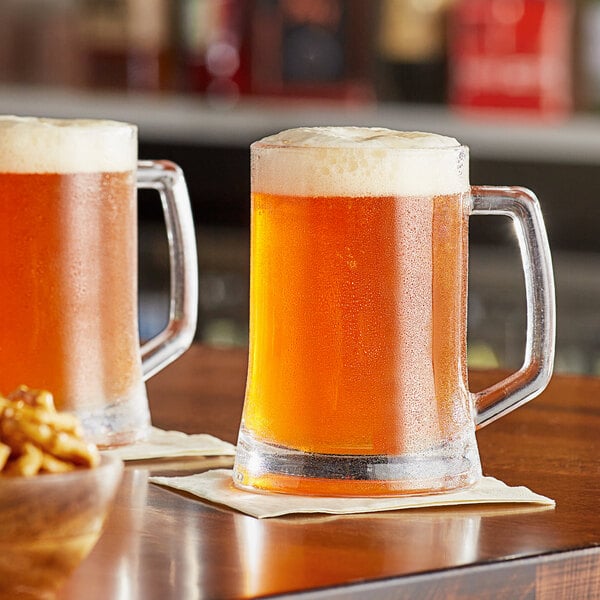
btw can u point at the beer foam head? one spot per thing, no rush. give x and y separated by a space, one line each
359 161
37 145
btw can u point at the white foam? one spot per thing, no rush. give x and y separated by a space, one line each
359 161
38 145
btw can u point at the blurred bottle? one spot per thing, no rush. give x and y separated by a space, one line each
589 53
127 44
104 31
39 43
313 48
213 38
150 57
411 50
512 57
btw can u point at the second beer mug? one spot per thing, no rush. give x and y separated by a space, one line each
68 266
357 377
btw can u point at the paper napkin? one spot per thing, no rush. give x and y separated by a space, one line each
217 486
170 444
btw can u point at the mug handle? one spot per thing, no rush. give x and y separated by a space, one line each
522 206
167 179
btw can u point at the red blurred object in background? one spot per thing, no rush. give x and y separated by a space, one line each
213 38
511 55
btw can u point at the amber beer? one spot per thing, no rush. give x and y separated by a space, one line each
357 378
68 265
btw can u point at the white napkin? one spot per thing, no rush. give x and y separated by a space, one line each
169 444
217 486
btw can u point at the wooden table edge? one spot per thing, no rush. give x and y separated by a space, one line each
573 573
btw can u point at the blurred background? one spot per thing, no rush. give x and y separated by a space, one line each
516 80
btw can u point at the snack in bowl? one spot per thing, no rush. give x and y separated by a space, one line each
55 491
35 438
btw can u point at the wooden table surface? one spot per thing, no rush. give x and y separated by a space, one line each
160 544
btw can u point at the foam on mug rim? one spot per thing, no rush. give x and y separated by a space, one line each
359 161
44 145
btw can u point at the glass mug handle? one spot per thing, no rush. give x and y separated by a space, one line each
522 206
167 179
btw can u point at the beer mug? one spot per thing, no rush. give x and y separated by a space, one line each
357 376
68 266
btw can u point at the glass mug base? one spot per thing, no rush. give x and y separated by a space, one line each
123 422
261 466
